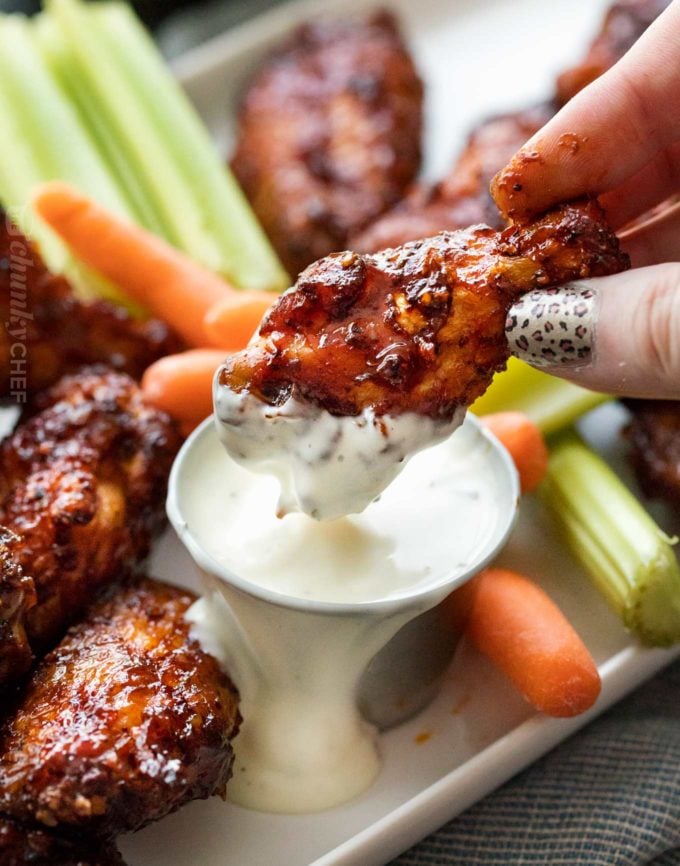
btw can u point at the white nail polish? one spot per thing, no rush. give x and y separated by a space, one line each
553 327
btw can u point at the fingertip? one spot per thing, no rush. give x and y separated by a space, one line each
617 333
555 166
605 134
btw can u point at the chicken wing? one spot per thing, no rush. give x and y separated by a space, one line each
124 722
48 332
329 134
654 437
33 846
17 597
418 328
462 198
623 25
83 484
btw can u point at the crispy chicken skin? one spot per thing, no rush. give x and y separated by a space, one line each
47 332
121 724
17 596
34 846
329 134
654 437
418 328
622 26
463 197
83 484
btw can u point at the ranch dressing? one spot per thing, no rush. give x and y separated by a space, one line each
396 545
327 465
314 601
303 745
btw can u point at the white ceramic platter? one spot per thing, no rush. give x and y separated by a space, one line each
476 58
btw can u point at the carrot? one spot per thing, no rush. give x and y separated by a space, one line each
233 320
181 384
163 280
523 632
186 428
525 443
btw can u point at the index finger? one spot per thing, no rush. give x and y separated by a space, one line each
606 133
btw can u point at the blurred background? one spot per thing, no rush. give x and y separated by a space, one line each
177 24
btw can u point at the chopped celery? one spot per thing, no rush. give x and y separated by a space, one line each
57 57
248 256
43 138
194 196
54 135
550 402
628 557
130 128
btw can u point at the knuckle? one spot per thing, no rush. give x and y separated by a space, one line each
659 313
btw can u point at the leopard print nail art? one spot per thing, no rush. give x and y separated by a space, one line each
553 327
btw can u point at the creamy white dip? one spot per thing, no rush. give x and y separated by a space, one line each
430 523
326 465
303 745
300 606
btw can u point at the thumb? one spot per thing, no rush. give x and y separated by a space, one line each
619 334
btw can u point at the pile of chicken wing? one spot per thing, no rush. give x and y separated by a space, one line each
112 715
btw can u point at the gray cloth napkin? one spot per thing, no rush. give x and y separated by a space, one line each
610 796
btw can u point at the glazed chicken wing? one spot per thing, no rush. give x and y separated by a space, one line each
17 597
418 328
82 483
124 722
33 846
48 332
623 25
654 436
329 134
463 197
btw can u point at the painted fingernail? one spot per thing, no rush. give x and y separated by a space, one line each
553 327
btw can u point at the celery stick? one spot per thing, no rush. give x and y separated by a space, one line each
43 138
19 173
196 201
550 402
52 130
57 57
248 256
628 557
131 129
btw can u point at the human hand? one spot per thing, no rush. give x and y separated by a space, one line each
618 139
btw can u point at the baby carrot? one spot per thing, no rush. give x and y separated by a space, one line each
523 632
525 443
233 320
181 384
163 280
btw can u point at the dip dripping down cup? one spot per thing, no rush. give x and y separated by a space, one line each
333 631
